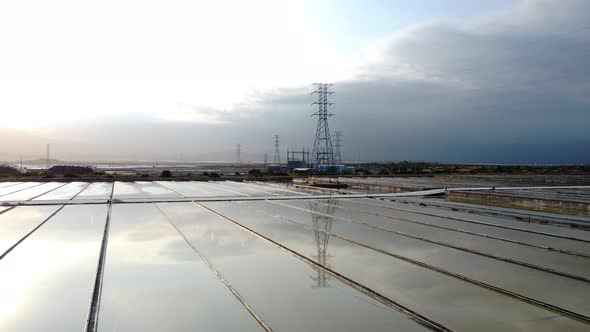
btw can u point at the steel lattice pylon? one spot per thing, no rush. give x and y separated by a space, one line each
337 146
323 153
277 154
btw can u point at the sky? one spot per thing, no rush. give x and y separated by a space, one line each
504 81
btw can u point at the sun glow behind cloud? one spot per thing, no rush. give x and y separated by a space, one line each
73 60
137 80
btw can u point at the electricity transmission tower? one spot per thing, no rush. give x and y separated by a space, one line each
277 156
323 153
337 145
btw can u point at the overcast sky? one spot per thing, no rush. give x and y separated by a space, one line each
439 80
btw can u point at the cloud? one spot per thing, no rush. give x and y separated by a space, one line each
195 114
509 88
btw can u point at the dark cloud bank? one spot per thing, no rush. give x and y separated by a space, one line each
511 89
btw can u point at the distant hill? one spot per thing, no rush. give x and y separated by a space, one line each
42 161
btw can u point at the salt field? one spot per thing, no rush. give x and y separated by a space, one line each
223 255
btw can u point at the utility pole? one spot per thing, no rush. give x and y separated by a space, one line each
337 145
277 155
323 153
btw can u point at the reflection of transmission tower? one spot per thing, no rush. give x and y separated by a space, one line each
322 154
322 223
337 144
277 156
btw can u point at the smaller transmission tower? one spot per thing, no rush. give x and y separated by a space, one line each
277 155
238 154
47 156
337 145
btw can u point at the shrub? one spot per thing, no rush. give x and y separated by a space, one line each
69 169
166 174
254 172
